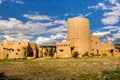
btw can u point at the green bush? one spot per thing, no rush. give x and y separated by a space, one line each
86 54
75 54
92 54
98 55
104 54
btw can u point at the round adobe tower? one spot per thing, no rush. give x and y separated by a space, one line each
78 34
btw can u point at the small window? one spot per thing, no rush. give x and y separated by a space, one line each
25 53
61 50
1 44
19 43
13 50
92 49
18 49
96 42
16 53
23 47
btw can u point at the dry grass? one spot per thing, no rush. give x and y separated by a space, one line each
58 69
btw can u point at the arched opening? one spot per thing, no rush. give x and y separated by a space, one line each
30 54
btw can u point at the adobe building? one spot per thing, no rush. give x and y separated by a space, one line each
20 50
16 50
79 39
46 51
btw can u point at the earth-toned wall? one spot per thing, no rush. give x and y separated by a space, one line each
80 39
63 50
16 50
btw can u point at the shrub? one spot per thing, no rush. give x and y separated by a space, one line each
92 54
104 54
75 54
86 54
98 55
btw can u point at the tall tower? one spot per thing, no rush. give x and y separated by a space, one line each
78 34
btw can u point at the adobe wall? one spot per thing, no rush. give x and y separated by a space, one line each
15 50
46 51
63 50
32 48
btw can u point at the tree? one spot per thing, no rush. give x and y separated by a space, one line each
75 54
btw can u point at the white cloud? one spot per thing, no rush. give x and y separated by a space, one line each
17 37
58 29
98 33
80 16
115 7
113 1
37 17
17 26
83 15
102 5
111 28
109 34
62 22
1 1
113 15
110 20
88 14
112 12
18 1
66 14
17 30
61 28
50 40
99 5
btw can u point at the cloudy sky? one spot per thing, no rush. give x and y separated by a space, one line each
44 21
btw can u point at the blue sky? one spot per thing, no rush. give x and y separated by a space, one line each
45 21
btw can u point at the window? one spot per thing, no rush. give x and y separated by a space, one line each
61 50
97 51
23 47
19 43
66 45
25 53
13 50
16 53
18 49
91 40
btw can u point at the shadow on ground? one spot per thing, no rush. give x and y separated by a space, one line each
4 77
